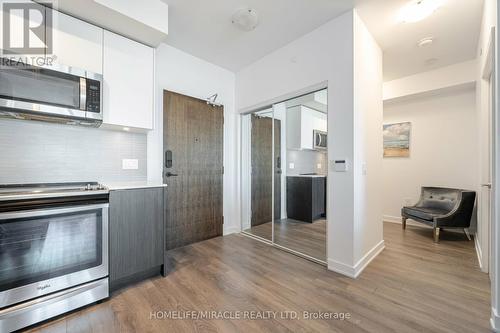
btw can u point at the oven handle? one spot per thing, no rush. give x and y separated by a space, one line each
50 211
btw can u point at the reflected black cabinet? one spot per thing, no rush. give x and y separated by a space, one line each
306 198
136 234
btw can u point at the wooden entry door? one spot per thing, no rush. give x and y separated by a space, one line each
262 169
192 169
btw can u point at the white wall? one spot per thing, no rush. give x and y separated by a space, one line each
180 72
293 68
368 113
443 148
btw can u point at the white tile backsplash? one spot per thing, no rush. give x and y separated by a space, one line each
34 152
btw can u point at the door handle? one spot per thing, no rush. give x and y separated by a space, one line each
170 174
488 185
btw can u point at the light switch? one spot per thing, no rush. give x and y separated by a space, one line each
130 164
318 165
291 166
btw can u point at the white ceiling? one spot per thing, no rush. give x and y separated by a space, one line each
204 29
455 27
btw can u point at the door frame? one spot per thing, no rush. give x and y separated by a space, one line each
487 232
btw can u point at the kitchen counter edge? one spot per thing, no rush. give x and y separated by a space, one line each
132 185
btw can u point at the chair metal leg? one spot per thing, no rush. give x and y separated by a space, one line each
436 235
403 222
467 233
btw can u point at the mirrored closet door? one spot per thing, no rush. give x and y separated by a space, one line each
284 181
257 178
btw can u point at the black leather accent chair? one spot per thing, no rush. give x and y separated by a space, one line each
442 208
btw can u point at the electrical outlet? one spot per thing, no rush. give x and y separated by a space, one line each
130 164
291 166
318 165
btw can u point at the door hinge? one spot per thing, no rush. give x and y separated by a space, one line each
222 219
222 170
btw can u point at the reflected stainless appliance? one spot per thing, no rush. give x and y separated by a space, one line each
53 93
320 139
53 250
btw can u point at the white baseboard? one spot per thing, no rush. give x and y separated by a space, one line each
231 230
355 271
341 268
392 219
397 220
495 320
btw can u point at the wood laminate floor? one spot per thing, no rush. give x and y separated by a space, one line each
414 285
307 238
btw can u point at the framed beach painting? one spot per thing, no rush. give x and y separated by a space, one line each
397 139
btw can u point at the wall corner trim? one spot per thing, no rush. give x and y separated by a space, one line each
354 271
495 320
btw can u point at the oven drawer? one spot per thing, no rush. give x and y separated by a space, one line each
48 250
46 307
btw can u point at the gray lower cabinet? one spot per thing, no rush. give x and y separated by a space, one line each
136 234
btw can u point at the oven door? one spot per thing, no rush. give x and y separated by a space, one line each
47 250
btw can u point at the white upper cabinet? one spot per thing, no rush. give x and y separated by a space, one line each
301 122
76 43
128 71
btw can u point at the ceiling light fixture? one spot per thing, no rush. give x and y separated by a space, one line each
427 41
245 19
418 10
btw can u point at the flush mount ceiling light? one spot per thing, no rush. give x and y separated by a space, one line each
417 10
427 41
245 19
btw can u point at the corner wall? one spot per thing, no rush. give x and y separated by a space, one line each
294 68
368 114
443 147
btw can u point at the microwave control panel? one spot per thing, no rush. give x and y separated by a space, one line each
93 96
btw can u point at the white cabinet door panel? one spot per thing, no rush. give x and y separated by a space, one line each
76 43
128 72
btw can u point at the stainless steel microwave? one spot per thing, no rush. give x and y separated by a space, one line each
50 93
320 139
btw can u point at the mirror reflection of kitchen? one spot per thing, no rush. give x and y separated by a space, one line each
302 224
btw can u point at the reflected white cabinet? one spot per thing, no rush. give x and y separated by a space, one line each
301 122
76 43
128 70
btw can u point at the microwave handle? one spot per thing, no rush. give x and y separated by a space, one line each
317 139
83 94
